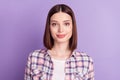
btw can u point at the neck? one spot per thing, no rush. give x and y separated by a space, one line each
61 47
61 50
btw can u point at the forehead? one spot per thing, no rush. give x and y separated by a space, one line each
61 16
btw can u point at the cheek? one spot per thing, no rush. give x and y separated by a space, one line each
69 30
69 33
52 32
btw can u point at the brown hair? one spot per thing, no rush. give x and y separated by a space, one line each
48 40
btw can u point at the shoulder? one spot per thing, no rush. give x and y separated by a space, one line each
82 56
38 53
84 63
36 58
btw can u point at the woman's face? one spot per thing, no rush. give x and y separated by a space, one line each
61 27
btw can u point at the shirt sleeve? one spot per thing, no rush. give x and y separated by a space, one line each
33 71
91 71
27 75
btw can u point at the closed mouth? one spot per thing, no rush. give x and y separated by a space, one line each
61 35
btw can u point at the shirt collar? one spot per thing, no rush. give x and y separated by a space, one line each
47 55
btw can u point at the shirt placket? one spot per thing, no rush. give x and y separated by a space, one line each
48 68
70 68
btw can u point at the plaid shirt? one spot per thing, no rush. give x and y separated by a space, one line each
40 66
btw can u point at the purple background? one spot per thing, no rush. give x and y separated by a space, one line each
22 25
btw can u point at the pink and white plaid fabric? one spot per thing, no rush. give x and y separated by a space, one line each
40 66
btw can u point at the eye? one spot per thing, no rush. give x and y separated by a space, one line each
67 24
53 24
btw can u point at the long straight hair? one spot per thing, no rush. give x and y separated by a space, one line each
48 40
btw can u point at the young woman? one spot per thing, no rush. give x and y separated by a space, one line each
59 61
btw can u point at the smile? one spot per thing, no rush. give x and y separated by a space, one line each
61 35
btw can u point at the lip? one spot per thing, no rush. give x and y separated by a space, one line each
60 35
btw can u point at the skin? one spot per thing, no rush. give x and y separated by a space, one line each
61 31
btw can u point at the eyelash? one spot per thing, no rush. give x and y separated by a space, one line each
55 24
67 24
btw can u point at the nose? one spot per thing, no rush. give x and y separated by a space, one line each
60 28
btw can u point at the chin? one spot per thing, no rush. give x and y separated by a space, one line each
61 41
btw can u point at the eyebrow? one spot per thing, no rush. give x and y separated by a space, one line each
63 21
53 21
67 20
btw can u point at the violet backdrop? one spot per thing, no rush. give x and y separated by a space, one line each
22 24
